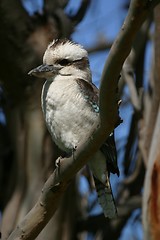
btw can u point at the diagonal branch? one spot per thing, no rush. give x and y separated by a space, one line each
57 183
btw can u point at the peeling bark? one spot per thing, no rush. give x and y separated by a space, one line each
154 203
151 202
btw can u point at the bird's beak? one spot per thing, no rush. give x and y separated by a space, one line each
44 71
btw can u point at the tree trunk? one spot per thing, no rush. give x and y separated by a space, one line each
151 199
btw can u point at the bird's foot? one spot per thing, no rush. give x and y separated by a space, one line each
58 162
73 150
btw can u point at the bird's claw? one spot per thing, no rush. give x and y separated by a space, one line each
74 148
58 161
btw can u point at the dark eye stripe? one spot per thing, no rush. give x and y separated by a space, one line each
80 63
64 62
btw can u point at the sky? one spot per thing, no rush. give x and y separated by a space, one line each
102 21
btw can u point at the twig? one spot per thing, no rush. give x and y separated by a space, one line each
100 46
77 18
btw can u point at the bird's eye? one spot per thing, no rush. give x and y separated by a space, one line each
64 62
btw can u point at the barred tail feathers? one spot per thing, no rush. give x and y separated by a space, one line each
105 198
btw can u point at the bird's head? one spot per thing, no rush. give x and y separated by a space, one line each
65 58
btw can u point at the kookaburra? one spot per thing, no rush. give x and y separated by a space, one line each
70 108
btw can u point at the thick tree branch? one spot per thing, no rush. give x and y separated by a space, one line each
57 183
138 12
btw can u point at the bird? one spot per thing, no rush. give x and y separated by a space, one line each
70 107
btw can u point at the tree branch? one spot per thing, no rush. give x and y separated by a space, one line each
100 46
57 183
77 18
